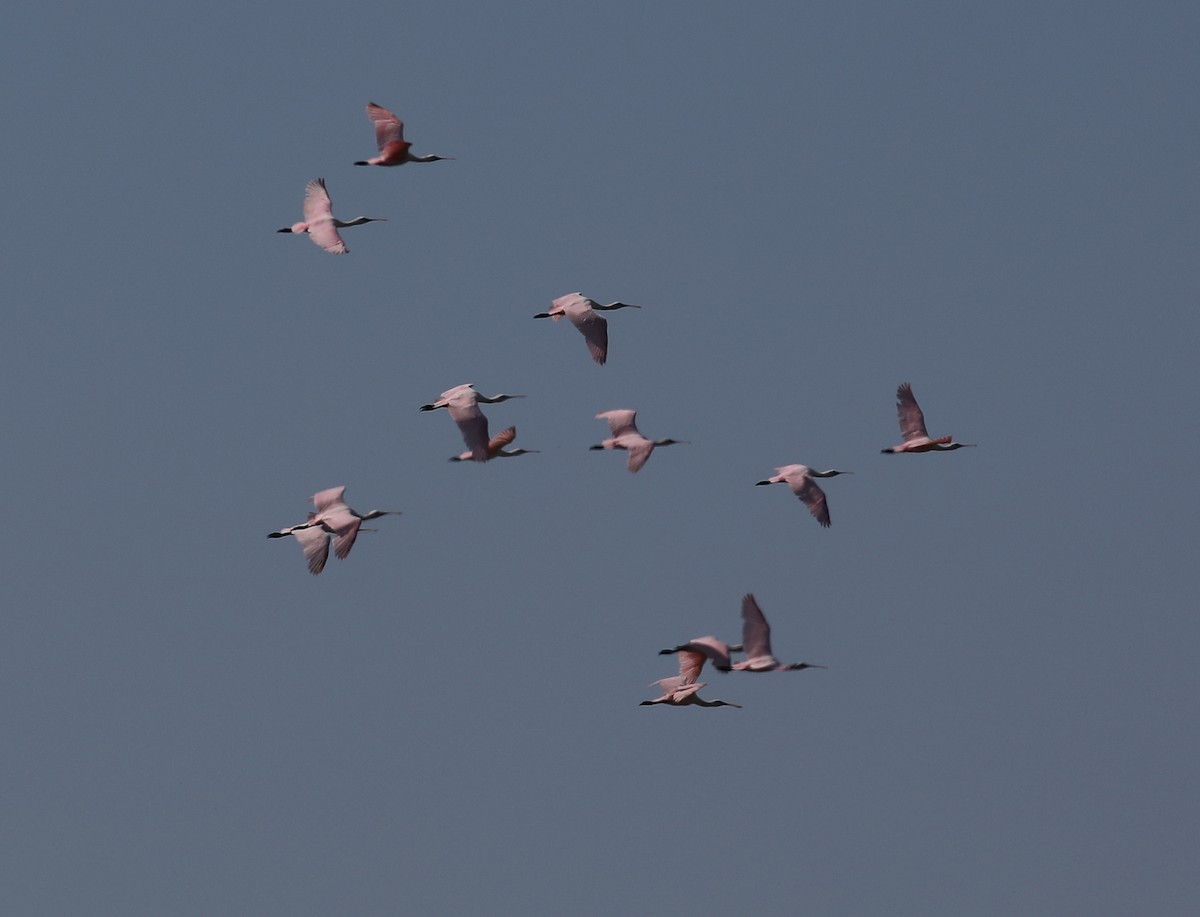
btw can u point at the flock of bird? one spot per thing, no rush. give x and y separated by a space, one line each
334 522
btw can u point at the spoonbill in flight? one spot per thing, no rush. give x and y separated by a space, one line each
680 690
332 517
800 479
625 436
912 427
582 313
716 651
319 221
344 521
756 639
389 135
462 403
495 447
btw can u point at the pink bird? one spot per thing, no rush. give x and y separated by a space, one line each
625 436
716 651
800 479
756 641
495 447
333 517
582 313
389 135
462 403
912 427
319 221
680 690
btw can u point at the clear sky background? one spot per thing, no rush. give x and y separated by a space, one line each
813 203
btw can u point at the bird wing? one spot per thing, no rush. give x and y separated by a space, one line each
388 128
912 421
756 632
343 541
328 499
316 201
501 439
594 328
315 542
473 426
619 422
690 664
325 234
639 449
812 496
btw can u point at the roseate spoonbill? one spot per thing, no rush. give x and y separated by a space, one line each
800 479
313 536
680 690
343 521
389 135
319 221
625 436
912 427
756 639
495 447
461 401
716 651
582 313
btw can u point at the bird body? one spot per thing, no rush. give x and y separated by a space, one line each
394 150
582 313
319 221
800 479
495 447
625 436
681 690
462 402
912 427
756 643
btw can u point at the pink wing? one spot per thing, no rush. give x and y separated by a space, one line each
620 421
594 328
756 632
315 542
814 498
389 131
473 426
912 421
327 499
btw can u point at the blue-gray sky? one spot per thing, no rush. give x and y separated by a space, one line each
813 203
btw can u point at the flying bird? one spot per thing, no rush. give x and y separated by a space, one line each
319 221
681 690
332 518
495 447
333 512
912 427
625 436
582 313
716 651
462 403
756 641
389 135
800 479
